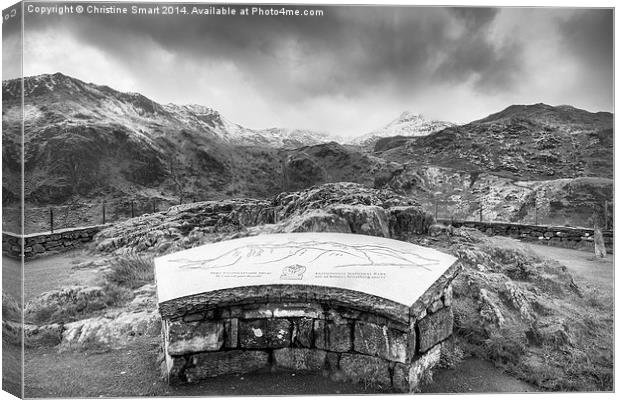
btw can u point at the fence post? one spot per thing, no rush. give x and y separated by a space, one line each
132 211
435 209
480 211
153 205
605 213
51 220
536 214
103 213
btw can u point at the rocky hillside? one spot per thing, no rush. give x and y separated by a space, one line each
87 143
461 194
407 124
535 142
339 207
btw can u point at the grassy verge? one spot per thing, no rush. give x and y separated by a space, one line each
78 302
529 317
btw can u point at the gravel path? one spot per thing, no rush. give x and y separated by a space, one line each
582 264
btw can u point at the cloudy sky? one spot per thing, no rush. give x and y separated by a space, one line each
348 72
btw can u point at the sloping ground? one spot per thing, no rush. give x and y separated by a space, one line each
524 313
534 142
460 194
339 207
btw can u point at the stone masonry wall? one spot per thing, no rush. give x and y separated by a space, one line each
560 236
39 244
349 343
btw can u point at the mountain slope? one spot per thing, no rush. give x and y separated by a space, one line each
87 143
85 140
407 124
525 142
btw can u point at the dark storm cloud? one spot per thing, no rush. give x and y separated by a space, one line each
349 71
492 66
349 51
475 18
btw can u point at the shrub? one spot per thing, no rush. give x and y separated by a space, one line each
10 308
73 303
131 271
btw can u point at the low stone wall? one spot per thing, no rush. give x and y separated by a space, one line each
40 244
354 342
560 236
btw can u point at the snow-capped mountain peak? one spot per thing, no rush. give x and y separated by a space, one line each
407 124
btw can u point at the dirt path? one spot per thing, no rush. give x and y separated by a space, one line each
134 371
475 376
53 272
582 264
12 278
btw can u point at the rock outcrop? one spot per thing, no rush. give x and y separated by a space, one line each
338 207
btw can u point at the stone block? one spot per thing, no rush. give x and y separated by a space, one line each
332 336
208 365
173 369
231 312
300 359
370 339
398 345
308 310
303 332
400 377
193 337
231 332
194 317
377 340
345 313
421 368
260 312
447 296
37 248
367 369
264 333
333 361
434 328
435 306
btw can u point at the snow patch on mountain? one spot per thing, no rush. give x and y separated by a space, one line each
407 124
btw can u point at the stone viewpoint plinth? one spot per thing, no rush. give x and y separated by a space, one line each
360 308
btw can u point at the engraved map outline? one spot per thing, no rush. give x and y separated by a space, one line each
370 255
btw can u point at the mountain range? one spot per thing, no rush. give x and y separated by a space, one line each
88 142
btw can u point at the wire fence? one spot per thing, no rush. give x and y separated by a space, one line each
583 214
55 218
